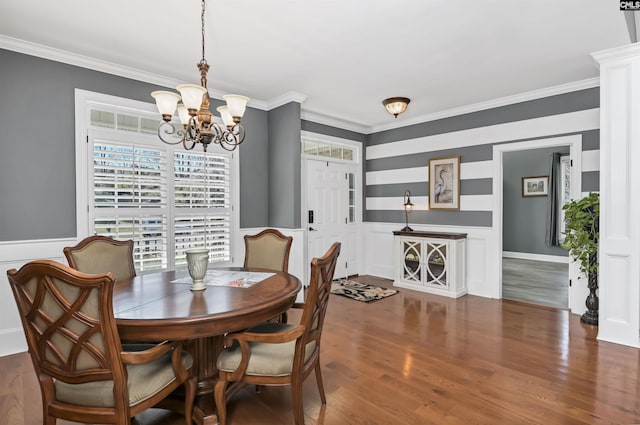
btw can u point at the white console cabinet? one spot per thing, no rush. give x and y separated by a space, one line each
431 262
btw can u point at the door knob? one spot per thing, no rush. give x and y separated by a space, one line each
311 229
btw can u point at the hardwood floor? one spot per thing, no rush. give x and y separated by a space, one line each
415 358
538 282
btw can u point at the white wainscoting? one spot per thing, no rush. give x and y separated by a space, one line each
14 255
379 254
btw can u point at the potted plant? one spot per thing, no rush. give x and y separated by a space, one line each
581 240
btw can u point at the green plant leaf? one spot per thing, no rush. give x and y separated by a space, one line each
582 230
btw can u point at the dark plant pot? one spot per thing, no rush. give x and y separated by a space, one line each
590 317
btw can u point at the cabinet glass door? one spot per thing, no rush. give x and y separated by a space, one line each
436 265
412 256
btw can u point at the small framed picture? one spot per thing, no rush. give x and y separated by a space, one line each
535 186
444 183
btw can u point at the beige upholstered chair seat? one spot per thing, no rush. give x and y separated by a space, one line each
266 359
145 380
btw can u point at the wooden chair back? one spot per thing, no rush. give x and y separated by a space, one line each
101 254
267 250
315 306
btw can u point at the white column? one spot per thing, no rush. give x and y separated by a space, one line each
619 250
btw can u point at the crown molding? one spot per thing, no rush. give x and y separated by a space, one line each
285 98
494 103
63 56
58 55
626 51
334 122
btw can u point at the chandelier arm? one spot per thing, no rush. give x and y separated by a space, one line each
169 129
184 143
232 138
238 131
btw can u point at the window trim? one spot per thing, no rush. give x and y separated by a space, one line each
84 102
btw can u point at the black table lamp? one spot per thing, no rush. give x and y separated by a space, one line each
408 207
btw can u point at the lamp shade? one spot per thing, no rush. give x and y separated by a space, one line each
236 103
183 113
166 102
396 105
191 95
227 119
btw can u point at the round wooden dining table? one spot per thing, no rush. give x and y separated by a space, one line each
153 307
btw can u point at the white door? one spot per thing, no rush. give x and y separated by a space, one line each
330 214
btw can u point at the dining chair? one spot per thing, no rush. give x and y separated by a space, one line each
268 250
279 353
101 254
83 373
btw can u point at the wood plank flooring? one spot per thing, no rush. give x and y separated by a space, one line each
420 359
538 282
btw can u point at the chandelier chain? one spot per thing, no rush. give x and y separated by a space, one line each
202 30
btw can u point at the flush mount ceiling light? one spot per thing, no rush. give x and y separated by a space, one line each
197 120
396 105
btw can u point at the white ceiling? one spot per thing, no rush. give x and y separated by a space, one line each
346 56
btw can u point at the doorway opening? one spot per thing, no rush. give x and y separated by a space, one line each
532 267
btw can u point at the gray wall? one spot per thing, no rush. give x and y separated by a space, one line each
37 159
284 166
524 219
553 105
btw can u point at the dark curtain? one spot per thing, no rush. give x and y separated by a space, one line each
553 209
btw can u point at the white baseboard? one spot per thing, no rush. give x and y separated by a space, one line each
12 341
535 257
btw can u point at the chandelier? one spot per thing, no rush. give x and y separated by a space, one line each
198 125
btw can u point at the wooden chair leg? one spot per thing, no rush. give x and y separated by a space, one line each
219 393
189 398
298 407
319 382
48 419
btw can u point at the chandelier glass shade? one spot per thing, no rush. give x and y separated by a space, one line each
198 124
396 105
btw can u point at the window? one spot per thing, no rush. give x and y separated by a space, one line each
326 150
163 197
352 197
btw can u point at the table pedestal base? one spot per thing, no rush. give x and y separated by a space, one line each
204 352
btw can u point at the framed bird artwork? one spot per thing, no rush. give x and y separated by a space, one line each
444 183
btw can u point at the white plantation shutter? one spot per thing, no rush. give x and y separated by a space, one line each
130 199
166 199
202 206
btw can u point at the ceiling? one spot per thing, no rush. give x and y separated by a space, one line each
345 56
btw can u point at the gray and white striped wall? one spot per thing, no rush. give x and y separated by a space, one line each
396 160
